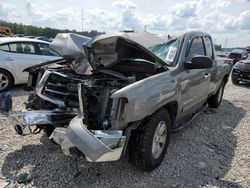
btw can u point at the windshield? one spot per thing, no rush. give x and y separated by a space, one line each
167 50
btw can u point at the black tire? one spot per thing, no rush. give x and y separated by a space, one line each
215 100
234 81
6 80
141 141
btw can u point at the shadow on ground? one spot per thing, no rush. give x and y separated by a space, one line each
243 84
197 156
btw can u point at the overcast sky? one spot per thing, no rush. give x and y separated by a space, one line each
227 21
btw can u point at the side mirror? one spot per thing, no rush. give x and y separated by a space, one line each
199 62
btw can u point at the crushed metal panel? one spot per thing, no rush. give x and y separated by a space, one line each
144 39
108 49
70 46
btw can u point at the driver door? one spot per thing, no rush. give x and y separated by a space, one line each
195 82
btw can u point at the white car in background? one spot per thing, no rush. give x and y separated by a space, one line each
16 54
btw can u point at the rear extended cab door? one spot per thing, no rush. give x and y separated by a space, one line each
210 52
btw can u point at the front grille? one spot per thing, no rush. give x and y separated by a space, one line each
55 88
245 75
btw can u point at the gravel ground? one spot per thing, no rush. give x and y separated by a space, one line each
213 151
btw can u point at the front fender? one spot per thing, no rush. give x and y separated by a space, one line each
146 96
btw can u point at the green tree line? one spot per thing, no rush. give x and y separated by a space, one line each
218 47
29 30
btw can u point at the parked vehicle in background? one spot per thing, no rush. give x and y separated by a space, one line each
248 50
16 54
241 71
237 55
222 54
18 35
141 88
44 38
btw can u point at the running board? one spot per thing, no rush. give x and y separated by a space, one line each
182 125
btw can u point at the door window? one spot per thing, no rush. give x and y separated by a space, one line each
196 48
25 48
5 47
46 50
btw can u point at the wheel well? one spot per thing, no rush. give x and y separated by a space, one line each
10 74
172 109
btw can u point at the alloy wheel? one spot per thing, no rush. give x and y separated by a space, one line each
159 139
4 81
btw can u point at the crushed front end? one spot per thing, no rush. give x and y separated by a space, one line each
78 111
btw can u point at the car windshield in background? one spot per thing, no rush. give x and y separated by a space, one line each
167 50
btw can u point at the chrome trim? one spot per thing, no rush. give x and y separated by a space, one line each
97 146
80 97
40 88
60 74
56 92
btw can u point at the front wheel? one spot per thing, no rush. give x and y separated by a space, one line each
215 100
149 142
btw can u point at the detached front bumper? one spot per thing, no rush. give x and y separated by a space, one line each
27 122
97 146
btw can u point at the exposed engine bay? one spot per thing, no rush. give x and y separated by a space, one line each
57 87
59 90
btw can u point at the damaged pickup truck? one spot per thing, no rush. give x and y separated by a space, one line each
141 88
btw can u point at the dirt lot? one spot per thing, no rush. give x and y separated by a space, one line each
214 151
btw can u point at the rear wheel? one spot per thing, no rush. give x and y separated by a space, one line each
215 100
148 144
6 80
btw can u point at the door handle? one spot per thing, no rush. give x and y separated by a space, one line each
8 59
206 75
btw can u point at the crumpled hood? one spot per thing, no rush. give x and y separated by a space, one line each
70 46
108 49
